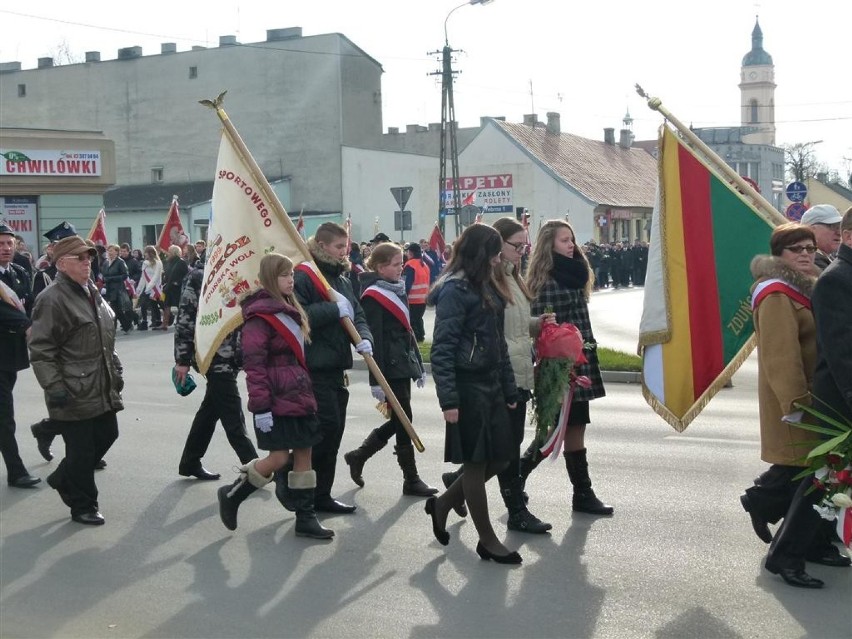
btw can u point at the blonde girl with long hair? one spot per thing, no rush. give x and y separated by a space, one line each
561 281
281 397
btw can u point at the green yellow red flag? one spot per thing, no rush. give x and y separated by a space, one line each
696 325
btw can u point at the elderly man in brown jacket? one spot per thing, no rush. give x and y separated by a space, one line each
72 352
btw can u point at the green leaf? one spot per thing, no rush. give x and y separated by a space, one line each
829 420
832 432
828 446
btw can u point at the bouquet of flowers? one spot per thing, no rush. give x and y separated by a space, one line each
831 464
559 349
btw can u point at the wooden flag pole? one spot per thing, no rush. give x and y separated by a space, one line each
284 219
766 210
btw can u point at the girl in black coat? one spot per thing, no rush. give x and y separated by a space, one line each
396 353
174 271
475 383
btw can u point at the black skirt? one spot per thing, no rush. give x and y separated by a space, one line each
290 432
483 432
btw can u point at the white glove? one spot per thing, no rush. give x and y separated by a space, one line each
378 393
422 381
263 422
103 291
344 306
793 418
364 347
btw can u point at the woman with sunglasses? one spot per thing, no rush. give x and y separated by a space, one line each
518 328
787 352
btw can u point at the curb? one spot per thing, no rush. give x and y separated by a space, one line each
610 377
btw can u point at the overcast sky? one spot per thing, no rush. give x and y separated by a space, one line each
580 58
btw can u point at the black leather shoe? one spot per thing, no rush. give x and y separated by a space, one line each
796 577
329 505
831 558
100 464
25 481
199 473
93 518
43 442
758 523
441 534
448 479
484 553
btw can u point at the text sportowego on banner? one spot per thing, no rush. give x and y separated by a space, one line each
243 228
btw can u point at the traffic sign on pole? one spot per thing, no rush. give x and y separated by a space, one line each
797 192
795 211
401 195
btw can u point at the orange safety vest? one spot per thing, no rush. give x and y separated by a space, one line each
420 288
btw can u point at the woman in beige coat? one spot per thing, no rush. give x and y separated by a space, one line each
787 353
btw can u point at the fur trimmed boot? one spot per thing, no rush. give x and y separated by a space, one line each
412 484
584 499
282 492
356 459
302 487
230 497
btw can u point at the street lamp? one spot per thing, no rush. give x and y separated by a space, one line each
448 125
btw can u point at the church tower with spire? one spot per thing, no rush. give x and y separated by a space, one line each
757 91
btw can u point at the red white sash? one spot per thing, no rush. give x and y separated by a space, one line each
310 269
776 285
155 293
291 331
391 303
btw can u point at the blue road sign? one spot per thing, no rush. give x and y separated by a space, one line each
795 211
796 192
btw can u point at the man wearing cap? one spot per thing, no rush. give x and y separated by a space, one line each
72 350
45 275
15 302
824 220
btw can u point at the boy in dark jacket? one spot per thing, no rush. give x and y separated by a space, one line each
329 354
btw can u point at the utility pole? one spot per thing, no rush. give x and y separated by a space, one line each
448 138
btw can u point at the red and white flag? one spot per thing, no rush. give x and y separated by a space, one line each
98 233
470 199
172 233
300 226
348 226
436 240
478 219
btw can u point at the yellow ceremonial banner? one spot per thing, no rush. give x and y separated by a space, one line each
245 224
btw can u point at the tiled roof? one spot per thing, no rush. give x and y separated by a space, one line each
139 197
606 174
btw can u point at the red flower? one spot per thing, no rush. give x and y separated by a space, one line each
560 341
844 477
834 460
818 484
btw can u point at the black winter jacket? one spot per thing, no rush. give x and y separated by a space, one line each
330 348
394 347
468 340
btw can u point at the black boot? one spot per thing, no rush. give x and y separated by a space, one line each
529 460
230 497
448 479
356 459
302 487
43 439
282 491
412 485
584 499
520 518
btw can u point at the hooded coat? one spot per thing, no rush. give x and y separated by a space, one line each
276 381
787 354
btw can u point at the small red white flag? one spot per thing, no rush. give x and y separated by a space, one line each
98 233
300 225
172 233
348 226
470 200
436 240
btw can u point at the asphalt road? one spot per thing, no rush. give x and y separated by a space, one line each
678 558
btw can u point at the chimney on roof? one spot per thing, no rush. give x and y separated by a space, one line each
227 40
45 63
530 119
822 177
129 53
393 130
93 56
625 140
168 47
9 67
553 127
609 135
274 35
